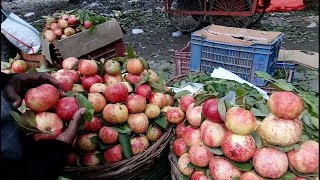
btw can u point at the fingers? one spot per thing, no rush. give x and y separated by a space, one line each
12 96
78 114
54 82
70 133
50 79
75 122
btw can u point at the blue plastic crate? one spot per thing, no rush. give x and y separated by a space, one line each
240 59
289 68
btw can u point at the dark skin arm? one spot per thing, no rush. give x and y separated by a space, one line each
19 84
43 159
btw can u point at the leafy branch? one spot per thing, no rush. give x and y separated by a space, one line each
310 98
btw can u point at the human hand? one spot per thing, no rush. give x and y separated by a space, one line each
70 133
19 84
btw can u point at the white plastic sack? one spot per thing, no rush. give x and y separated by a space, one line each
21 34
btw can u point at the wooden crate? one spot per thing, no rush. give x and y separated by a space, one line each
33 60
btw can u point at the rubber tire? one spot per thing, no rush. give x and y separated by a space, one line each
212 21
174 24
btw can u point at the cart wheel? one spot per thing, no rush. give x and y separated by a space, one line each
186 22
231 6
258 16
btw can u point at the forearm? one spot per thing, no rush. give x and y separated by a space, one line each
5 78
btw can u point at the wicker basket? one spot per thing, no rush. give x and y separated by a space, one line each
126 169
173 159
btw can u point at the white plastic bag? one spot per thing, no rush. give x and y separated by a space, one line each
21 34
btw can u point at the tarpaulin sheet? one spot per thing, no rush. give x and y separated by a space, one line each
284 5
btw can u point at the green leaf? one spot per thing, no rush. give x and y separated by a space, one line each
304 138
42 70
296 146
312 134
84 102
199 96
93 29
257 112
30 117
257 139
309 176
190 165
32 70
156 86
313 107
75 66
263 108
22 123
125 144
143 80
283 148
209 88
229 104
216 151
122 129
221 89
282 84
264 75
222 109
144 62
161 77
181 93
17 57
184 177
287 176
236 178
96 140
241 92
69 94
204 98
306 119
121 59
315 122
161 121
245 166
85 93
130 52
62 178
22 108
124 67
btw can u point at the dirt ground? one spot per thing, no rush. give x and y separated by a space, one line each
156 44
157 39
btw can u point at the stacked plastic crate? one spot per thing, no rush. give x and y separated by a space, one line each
241 51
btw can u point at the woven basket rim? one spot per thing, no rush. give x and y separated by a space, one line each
173 159
126 167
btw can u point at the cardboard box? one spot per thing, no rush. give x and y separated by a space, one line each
307 59
84 42
239 36
33 60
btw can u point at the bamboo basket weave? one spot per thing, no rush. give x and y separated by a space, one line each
126 169
173 159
